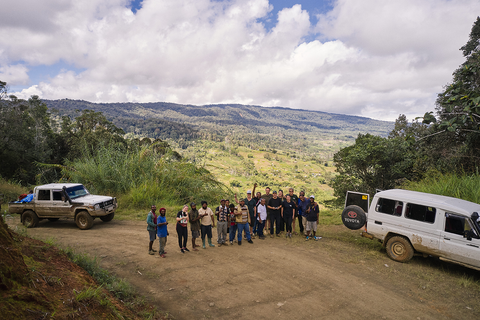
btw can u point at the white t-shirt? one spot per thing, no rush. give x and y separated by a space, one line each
261 212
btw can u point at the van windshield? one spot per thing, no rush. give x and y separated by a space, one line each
77 192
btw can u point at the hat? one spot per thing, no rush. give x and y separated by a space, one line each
192 204
312 196
249 191
274 192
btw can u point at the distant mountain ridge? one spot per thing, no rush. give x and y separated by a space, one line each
216 121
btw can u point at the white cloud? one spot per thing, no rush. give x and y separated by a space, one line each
16 74
373 58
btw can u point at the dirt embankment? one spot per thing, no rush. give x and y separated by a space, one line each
342 276
38 281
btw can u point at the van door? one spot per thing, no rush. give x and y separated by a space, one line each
453 243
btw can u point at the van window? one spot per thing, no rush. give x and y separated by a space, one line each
389 206
420 213
457 224
43 195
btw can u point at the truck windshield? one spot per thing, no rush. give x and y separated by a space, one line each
77 191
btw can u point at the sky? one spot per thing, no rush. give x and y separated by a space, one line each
372 58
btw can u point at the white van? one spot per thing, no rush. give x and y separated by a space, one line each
408 221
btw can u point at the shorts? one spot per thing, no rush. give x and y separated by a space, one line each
195 234
311 225
153 235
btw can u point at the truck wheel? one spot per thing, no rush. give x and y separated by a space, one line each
108 217
84 220
399 249
354 217
30 219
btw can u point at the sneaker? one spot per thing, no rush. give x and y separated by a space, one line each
239 243
154 250
186 249
231 243
183 251
250 241
271 236
150 252
306 239
162 255
286 235
164 252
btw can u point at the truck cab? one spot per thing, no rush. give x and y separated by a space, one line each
408 222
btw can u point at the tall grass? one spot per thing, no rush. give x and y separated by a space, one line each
461 186
144 176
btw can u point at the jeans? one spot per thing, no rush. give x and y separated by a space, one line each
221 231
241 227
231 233
255 226
206 231
182 233
275 218
300 223
260 226
162 243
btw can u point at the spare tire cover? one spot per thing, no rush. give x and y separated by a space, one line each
354 217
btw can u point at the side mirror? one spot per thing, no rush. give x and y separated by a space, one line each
469 234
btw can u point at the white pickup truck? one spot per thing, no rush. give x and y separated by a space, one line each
64 200
407 222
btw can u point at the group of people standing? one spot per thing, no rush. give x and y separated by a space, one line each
250 217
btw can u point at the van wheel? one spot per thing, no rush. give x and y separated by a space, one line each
30 219
84 220
354 217
399 249
108 217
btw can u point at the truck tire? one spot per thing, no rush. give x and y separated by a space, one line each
30 219
353 217
399 249
108 217
84 220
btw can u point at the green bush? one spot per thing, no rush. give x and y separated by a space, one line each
143 176
458 186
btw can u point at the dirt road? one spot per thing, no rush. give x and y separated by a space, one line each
338 277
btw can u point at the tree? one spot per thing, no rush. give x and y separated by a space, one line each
26 136
458 108
372 163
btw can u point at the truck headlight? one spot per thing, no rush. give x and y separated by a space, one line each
97 207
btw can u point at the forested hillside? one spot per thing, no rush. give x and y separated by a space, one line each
251 126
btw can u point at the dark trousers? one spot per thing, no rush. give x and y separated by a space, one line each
182 235
275 219
288 222
300 223
206 231
282 223
260 227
